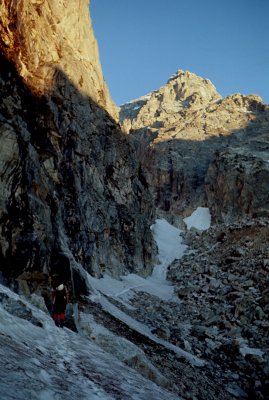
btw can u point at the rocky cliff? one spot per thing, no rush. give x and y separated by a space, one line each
41 37
236 184
71 192
177 130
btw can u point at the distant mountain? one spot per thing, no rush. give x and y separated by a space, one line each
179 130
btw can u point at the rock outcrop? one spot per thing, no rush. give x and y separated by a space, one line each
42 37
177 130
236 184
71 191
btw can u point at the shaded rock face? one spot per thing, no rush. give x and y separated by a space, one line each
236 183
177 130
71 192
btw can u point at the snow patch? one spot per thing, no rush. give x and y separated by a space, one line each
170 247
125 288
130 103
199 219
244 350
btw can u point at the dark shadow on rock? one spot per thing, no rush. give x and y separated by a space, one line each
74 197
185 174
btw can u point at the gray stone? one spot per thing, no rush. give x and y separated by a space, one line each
72 194
236 391
214 283
183 292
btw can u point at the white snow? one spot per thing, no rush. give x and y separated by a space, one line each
125 288
170 247
244 350
44 363
169 244
48 362
147 96
199 219
142 98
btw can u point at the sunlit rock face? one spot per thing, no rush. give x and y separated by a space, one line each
177 130
184 92
41 37
71 191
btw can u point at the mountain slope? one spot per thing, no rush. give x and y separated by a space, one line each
177 131
40 361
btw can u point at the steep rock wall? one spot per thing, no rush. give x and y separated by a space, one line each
236 185
71 191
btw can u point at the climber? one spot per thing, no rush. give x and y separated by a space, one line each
59 301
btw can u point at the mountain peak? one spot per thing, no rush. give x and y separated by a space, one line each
190 83
183 91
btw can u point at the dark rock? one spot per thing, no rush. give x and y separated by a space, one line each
73 196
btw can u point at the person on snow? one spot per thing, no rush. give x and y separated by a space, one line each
59 301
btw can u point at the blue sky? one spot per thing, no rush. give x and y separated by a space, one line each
143 42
